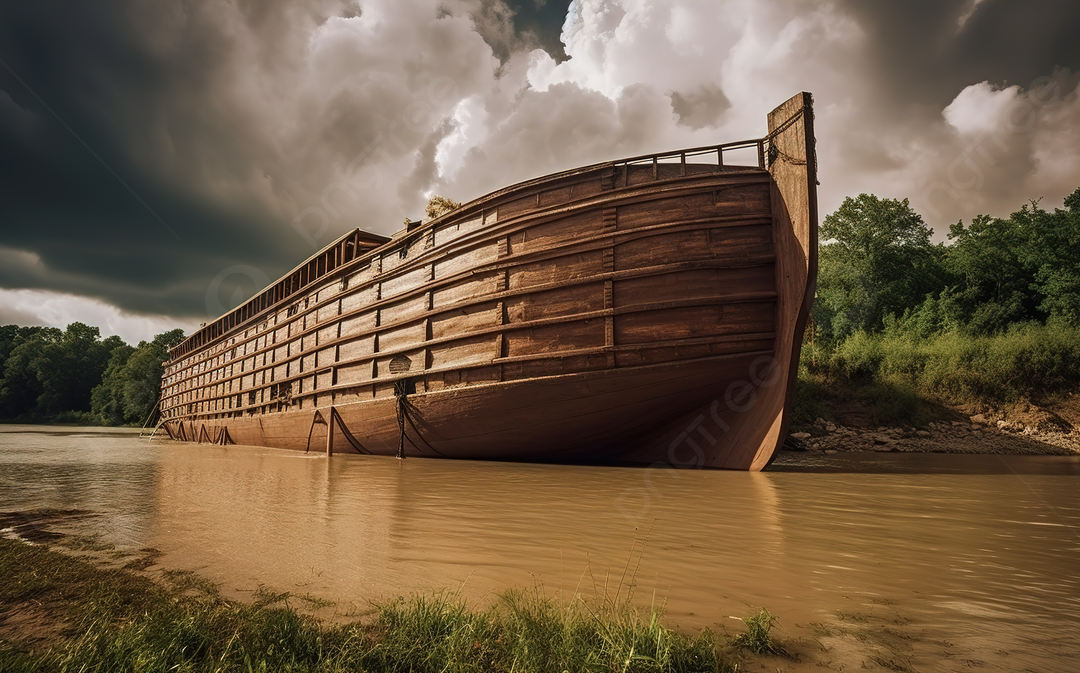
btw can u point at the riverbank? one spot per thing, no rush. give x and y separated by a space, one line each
975 436
1022 428
861 563
82 606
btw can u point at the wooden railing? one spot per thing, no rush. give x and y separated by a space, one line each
716 151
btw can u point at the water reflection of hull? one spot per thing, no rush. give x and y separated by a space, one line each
358 530
646 310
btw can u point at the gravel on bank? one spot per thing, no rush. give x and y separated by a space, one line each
977 435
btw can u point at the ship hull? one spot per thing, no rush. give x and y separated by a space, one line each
606 416
647 311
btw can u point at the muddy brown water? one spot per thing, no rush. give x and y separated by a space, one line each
875 561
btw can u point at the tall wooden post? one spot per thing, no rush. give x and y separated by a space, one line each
330 433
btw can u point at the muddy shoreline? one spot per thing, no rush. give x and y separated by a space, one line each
941 437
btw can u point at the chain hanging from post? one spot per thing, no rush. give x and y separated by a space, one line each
773 152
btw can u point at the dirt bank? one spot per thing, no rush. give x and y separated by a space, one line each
1021 429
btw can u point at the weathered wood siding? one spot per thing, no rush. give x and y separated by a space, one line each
577 276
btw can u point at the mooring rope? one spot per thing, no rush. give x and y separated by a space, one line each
399 394
403 416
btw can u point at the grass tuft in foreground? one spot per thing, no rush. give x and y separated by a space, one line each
113 620
758 637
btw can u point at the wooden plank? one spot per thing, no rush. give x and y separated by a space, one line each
693 284
554 303
353 348
554 338
462 352
737 244
555 232
558 269
464 320
399 284
555 197
406 310
477 285
401 337
354 373
736 201
694 321
467 259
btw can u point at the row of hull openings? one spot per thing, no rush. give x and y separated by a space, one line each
738 327
403 326
357 359
348 384
361 289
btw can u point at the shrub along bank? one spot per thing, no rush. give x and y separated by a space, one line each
903 327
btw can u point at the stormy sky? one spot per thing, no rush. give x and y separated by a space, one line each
160 161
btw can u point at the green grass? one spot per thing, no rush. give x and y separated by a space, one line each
114 620
899 377
758 637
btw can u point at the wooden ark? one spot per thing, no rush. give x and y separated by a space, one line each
647 310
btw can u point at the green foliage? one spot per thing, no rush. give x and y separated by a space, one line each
1056 260
21 388
992 317
880 261
439 205
122 622
47 371
880 272
891 371
131 385
107 399
995 282
758 638
74 376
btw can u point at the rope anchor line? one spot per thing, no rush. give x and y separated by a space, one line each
405 412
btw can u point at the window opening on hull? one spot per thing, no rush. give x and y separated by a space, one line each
400 364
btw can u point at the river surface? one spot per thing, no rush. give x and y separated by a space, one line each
875 561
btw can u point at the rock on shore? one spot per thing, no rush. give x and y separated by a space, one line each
976 435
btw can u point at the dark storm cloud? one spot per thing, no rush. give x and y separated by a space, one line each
924 51
148 147
111 119
168 157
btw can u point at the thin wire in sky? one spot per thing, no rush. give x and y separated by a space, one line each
91 151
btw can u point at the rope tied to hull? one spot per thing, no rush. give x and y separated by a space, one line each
404 415
399 395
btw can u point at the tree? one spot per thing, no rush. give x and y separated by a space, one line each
1022 268
107 399
880 262
21 387
993 280
439 205
69 368
1054 255
131 387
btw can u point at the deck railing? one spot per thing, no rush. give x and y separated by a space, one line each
680 156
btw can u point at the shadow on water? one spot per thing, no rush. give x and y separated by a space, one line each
925 463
